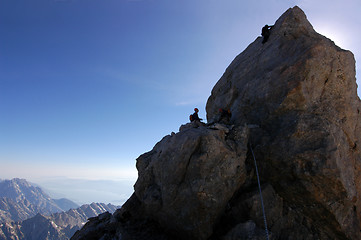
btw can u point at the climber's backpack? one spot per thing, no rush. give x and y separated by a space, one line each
191 117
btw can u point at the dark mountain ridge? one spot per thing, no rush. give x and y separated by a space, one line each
57 226
27 212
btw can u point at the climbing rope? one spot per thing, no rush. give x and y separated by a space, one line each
260 193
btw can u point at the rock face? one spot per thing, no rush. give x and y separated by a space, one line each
188 179
302 94
294 104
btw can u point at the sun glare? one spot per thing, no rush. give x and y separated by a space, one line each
337 34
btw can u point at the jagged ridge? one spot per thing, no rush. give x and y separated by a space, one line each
20 200
58 226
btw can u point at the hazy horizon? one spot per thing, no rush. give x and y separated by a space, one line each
81 191
85 191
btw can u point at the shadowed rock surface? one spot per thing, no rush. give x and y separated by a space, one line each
293 99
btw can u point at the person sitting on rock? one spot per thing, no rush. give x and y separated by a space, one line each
195 120
266 32
194 116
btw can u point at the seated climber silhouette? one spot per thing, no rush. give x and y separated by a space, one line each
266 32
195 121
194 116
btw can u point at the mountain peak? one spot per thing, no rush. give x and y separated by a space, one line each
293 106
26 200
293 23
39 217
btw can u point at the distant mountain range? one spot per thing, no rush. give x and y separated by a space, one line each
27 212
58 226
19 200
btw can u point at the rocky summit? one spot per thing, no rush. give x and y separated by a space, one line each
294 108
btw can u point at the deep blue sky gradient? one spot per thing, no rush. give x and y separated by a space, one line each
86 86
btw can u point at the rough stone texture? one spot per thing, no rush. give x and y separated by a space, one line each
294 103
301 90
186 181
245 231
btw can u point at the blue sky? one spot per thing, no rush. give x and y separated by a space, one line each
86 86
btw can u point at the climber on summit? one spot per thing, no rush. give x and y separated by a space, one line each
266 32
194 116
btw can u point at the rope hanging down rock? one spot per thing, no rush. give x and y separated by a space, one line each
260 193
